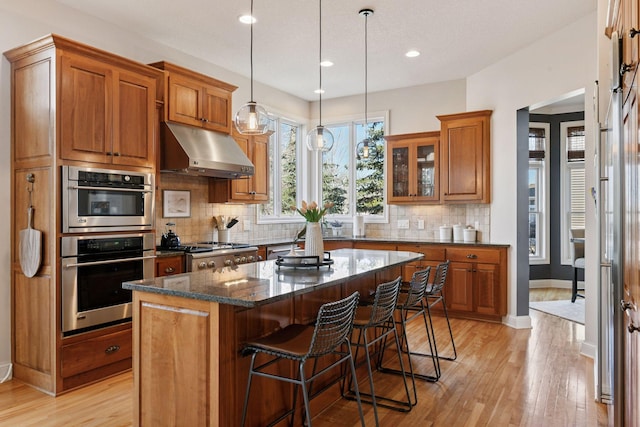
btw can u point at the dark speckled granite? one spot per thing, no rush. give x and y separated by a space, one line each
251 285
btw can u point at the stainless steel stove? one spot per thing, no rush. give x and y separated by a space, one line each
211 255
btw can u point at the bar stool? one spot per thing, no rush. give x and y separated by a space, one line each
379 318
411 306
303 342
434 295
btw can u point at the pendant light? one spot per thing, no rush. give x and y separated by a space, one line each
365 149
251 118
320 138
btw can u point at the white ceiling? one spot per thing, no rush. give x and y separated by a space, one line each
456 37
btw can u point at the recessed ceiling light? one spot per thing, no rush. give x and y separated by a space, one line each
318 91
412 54
326 63
247 19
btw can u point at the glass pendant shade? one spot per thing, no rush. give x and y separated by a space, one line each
366 150
252 119
320 139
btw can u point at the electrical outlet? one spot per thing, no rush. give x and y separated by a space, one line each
246 225
403 224
421 224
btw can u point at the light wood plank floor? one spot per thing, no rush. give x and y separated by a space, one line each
503 377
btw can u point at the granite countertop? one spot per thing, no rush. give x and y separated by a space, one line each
250 285
402 240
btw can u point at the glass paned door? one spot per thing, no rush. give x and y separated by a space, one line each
400 167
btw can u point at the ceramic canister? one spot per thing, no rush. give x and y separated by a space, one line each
458 232
446 233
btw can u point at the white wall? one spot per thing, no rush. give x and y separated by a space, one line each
558 64
26 20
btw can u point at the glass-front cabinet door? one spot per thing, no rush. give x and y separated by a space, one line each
412 168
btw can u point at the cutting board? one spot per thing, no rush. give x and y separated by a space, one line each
30 247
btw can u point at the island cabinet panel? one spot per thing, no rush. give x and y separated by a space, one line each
165 326
465 156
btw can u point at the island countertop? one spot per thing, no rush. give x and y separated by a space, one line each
251 285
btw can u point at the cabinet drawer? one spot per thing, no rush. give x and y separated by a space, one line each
96 352
169 265
430 252
375 246
474 254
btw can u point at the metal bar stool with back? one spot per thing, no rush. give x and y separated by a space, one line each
299 343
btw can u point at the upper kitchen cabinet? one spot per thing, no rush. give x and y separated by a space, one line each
253 189
196 99
106 112
465 157
412 168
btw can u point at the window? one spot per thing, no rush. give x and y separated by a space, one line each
573 183
538 193
283 169
355 185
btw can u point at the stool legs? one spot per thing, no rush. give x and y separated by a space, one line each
440 298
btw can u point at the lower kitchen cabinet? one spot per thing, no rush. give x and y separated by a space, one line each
433 255
476 282
95 355
167 266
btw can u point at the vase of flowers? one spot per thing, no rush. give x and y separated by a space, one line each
313 245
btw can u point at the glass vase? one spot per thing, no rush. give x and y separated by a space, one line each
313 244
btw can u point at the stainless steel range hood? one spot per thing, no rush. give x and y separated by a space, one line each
196 151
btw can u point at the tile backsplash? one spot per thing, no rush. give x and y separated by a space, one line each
199 226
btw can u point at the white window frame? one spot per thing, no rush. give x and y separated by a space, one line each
351 121
275 145
543 197
565 201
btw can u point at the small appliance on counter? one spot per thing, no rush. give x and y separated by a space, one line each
358 226
170 240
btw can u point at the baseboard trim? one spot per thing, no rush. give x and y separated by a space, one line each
588 349
6 372
553 283
517 322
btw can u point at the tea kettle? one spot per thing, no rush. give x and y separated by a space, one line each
170 239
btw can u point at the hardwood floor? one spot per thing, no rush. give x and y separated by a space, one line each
502 377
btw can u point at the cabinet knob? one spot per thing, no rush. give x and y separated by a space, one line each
626 305
109 153
633 32
624 68
169 270
633 328
112 349
116 154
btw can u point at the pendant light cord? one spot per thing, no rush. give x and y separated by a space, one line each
251 51
320 67
366 66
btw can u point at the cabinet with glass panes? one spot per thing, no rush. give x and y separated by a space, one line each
413 168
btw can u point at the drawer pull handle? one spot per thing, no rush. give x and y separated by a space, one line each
169 270
633 328
112 349
472 256
625 306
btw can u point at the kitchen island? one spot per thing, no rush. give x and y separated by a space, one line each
189 330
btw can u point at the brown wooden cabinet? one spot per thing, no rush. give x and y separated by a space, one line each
433 255
413 168
465 157
169 265
196 99
106 113
476 282
253 189
71 104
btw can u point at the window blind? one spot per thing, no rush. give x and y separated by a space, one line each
575 143
537 139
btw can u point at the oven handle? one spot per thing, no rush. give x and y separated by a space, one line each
111 261
131 190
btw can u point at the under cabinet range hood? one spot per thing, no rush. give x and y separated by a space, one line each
196 151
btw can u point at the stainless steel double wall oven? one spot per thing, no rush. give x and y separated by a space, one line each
107 219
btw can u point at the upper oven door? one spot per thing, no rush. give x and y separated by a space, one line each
106 200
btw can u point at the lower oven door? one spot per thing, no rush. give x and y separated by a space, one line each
92 293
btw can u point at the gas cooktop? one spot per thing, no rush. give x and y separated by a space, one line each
199 247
